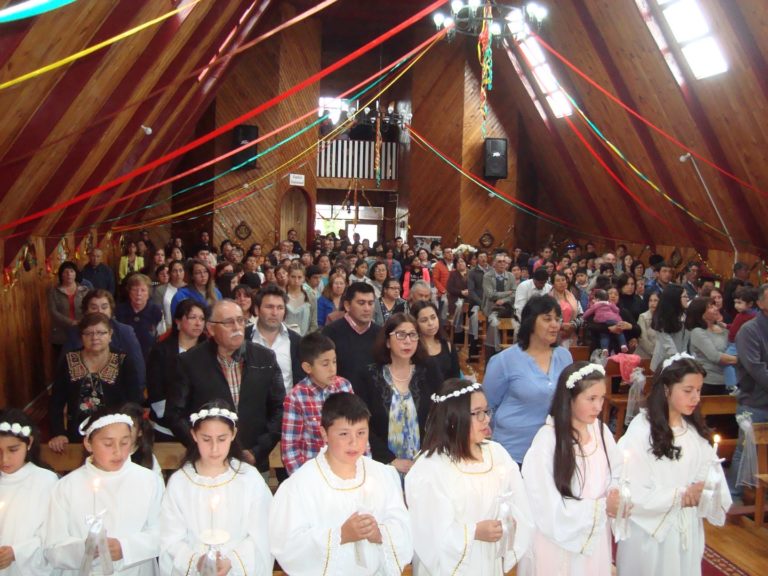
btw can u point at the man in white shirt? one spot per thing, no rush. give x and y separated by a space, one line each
536 286
270 331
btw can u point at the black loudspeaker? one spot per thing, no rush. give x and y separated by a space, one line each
242 135
495 154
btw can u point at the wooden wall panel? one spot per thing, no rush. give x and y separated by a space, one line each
259 75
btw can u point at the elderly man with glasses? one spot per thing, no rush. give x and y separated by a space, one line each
243 373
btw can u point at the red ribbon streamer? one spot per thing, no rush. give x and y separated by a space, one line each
232 123
648 123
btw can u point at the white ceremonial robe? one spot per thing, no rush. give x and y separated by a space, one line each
446 500
310 507
242 511
666 539
25 495
573 537
131 499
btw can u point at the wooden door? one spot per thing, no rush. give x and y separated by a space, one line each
294 213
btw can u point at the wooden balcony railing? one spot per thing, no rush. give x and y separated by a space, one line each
355 159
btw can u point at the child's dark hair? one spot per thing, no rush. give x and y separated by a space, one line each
343 405
450 422
747 294
662 435
601 295
235 452
566 437
100 413
15 416
313 345
146 438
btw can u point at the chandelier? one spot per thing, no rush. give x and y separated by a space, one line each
472 17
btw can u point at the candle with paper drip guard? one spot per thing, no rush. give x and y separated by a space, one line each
213 536
621 522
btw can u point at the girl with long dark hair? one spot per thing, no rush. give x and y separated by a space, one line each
668 321
463 485
25 489
568 472
671 466
215 491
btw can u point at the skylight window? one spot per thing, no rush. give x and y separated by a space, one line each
691 31
544 76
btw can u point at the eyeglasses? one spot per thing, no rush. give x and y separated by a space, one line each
95 333
482 415
412 336
230 322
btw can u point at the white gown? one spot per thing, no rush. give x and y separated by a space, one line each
447 499
666 539
242 512
310 507
131 498
25 495
573 537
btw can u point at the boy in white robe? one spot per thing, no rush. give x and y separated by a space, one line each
465 494
675 477
341 512
128 497
25 490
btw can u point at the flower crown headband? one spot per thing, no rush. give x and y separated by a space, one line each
456 393
16 429
672 359
104 421
213 412
582 372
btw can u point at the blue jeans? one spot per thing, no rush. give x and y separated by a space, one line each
729 372
605 337
758 415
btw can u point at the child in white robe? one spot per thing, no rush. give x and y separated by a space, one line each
25 490
675 477
465 495
126 495
341 512
569 473
213 494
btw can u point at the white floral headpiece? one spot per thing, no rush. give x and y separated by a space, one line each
679 356
456 393
105 421
213 412
582 372
16 429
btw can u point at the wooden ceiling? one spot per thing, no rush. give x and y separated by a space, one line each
79 126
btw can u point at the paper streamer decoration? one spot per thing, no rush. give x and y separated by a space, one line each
30 8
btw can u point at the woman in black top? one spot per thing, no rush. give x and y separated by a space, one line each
434 341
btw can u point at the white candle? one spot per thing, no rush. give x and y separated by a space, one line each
215 499
624 468
717 444
96 484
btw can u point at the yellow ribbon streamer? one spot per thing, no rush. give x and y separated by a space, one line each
95 48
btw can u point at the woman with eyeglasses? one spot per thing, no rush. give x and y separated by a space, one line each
397 390
89 379
389 303
468 506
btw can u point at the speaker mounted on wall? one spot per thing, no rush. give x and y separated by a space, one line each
242 135
495 155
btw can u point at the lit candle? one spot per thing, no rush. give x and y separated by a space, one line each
215 499
96 485
717 443
624 468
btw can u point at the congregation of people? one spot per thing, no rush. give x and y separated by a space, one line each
345 355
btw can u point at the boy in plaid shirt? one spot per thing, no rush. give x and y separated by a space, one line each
301 439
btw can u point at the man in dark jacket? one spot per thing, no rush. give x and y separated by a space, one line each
243 373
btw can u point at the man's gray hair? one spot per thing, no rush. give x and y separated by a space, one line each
218 304
421 284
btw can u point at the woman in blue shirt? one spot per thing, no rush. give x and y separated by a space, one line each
520 381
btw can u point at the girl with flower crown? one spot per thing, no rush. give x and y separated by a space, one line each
675 476
569 474
25 490
109 488
215 499
467 501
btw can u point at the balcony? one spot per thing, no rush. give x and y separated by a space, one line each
346 159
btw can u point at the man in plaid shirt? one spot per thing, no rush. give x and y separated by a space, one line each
301 439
